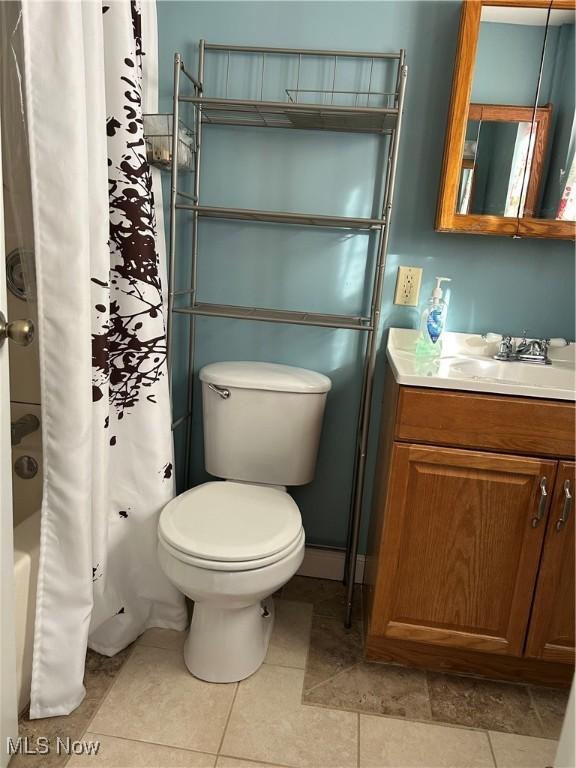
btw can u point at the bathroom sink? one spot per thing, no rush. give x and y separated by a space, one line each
532 374
467 363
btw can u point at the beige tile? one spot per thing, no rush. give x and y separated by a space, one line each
101 671
388 743
50 760
122 753
550 704
70 726
328 597
235 762
163 638
291 634
270 724
333 648
481 703
512 751
376 689
156 699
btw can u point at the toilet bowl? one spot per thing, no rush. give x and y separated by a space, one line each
228 545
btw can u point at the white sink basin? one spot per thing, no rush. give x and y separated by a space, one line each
466 363
555 375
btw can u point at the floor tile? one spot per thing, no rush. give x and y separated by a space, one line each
51 760
328 597
235 762
512 751
332 649
550 704
270 724
156 699
70 726
291 634
377 689
163 638
388 743
123 753
101 671
482 703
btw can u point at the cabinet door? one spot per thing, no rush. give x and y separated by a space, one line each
551 634
461 544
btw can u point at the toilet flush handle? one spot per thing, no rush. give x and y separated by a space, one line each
221 391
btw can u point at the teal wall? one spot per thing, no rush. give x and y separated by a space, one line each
498 284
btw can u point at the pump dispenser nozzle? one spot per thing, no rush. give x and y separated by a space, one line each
437 292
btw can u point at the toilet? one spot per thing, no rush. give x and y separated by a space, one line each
230 544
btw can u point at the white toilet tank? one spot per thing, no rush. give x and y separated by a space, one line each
262 421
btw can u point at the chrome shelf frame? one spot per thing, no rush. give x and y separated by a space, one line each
284 217
291 317
383 120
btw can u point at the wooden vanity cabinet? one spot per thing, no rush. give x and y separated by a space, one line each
467 569
551 634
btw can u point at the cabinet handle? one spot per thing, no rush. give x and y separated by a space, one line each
566 508
537 519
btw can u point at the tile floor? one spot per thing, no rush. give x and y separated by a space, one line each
313 704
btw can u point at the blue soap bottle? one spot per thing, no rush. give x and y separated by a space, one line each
432 322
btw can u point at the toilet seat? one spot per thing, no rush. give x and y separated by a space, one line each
231 526
234 566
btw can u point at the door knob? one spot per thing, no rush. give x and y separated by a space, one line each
19 331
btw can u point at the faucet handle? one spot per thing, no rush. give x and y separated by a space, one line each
557 342
524 339
492 337
506 348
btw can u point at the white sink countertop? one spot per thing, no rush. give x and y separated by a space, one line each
466 363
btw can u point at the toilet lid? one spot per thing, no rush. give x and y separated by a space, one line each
231 522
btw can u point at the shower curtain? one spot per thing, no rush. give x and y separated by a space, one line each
105 400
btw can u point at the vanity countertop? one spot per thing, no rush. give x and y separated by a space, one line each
467 363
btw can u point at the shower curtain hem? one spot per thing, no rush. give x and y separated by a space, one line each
59 711
109 651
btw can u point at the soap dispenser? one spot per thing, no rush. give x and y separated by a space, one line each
432 322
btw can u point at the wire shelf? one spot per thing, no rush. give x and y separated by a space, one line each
346 322
282 217
158 140
289 114
352 91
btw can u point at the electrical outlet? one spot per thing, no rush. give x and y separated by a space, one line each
408 286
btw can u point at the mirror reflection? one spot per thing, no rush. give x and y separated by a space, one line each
503 160
558 197
518 157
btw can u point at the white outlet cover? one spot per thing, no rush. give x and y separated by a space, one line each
408 283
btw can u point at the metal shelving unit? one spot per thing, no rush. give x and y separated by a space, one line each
371 111
283 217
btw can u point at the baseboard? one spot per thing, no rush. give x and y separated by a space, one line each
321 563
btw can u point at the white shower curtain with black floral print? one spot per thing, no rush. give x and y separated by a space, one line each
105 400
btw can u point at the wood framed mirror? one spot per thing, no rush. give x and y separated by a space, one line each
509 159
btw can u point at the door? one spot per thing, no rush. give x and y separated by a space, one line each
551 634
462 538
8 714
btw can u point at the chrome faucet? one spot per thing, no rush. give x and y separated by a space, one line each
23 426
525 350
533 351
506 350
